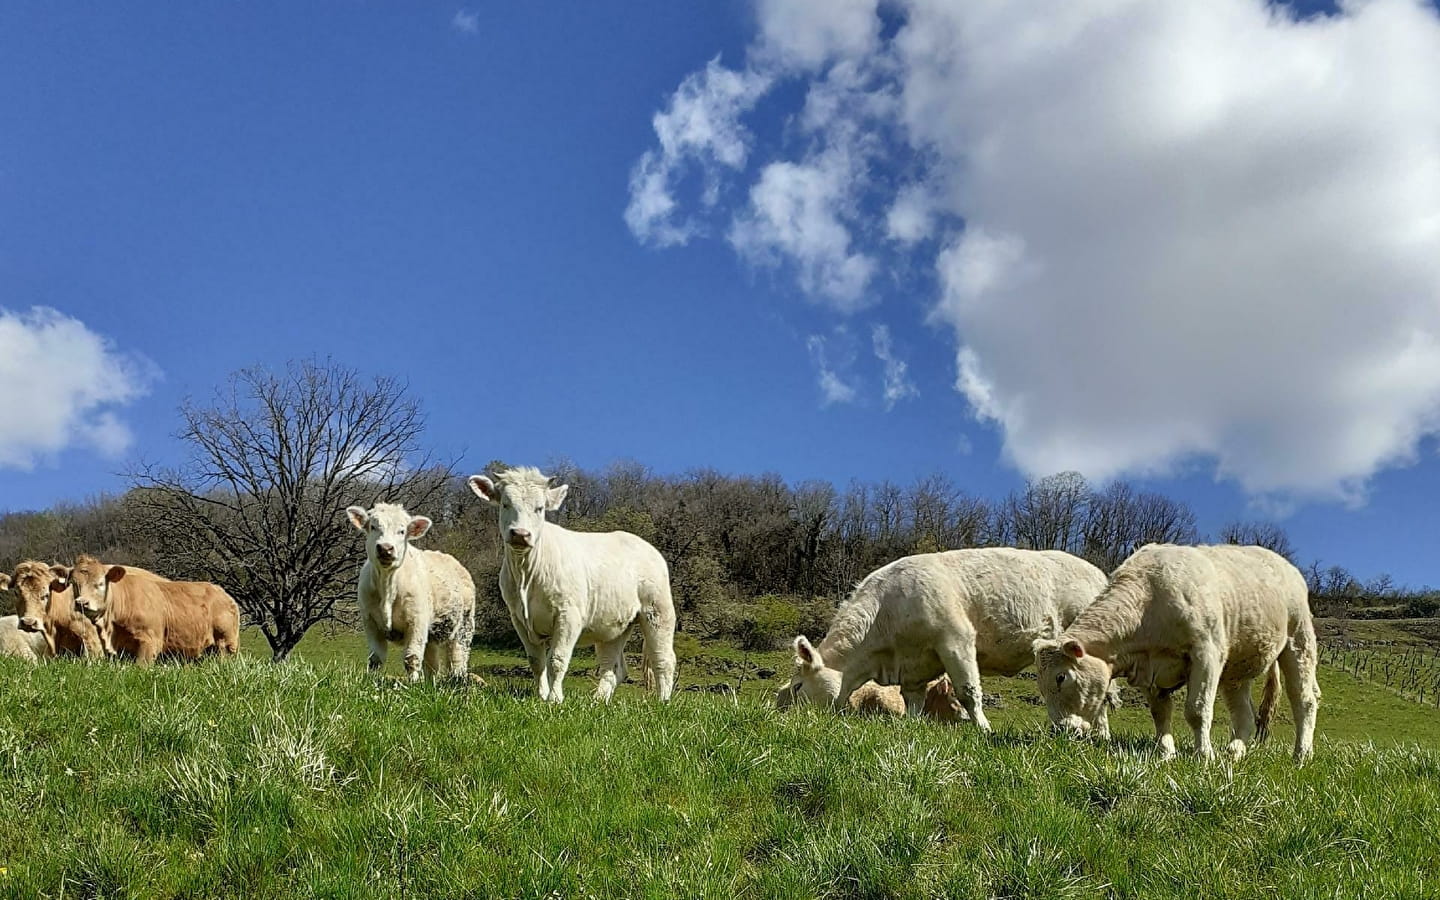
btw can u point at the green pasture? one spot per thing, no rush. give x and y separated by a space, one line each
242 778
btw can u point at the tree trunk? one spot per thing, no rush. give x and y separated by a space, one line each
281 646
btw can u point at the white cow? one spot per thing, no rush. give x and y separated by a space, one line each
563 587
959 612
1215 618
423 600
30 644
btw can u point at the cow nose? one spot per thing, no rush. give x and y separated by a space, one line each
30 623
385 550
520 537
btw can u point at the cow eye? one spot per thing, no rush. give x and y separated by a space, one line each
1060 679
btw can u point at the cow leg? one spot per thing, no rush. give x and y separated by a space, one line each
557 663
147 651
964 672
855 674
657 628
435 660
415 650
1297 663
1242 716
1162 705
456 659
535 653
90 639
458 649
914 701
1205 667
610 663
379 648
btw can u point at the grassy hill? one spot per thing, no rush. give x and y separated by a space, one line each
245 779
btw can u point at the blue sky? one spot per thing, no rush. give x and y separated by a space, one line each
440 191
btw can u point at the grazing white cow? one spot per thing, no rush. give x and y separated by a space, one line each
1215 618
423 600
563 587
959 612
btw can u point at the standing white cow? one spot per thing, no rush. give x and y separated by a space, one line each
1215 618
563 587
423 600
958 612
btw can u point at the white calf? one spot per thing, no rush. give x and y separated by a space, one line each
422 600
563 587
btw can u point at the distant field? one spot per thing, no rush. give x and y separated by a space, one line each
244 779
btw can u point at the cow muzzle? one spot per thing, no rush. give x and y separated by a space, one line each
29 623
520 539
385 556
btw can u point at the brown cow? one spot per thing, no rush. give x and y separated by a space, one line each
44 607
146 615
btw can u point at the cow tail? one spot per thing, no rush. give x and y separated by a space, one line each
1267 701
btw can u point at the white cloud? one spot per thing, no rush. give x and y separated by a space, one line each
898 385
700 130
1169 233
912 216
466 22
809 33
795 215
61 384
833 388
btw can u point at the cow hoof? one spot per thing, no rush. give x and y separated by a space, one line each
1236 749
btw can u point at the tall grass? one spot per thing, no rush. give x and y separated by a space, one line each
240 778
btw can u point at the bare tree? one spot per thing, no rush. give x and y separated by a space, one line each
1120 520
1261 534
1048 514
258 507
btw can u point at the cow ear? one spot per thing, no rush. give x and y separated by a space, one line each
806 656
1074 648
556 496
358 517
61 575
115 573
4 581
1039 645
484 488
417 527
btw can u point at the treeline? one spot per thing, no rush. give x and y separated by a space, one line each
753 558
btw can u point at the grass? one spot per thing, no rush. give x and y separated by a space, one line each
240 778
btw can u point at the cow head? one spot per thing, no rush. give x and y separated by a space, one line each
33 583
91 580
522 496
388 530
813 682
1074 684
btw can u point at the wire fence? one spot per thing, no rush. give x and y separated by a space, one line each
1411 671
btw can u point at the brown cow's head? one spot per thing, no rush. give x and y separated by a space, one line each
92 579
33 583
